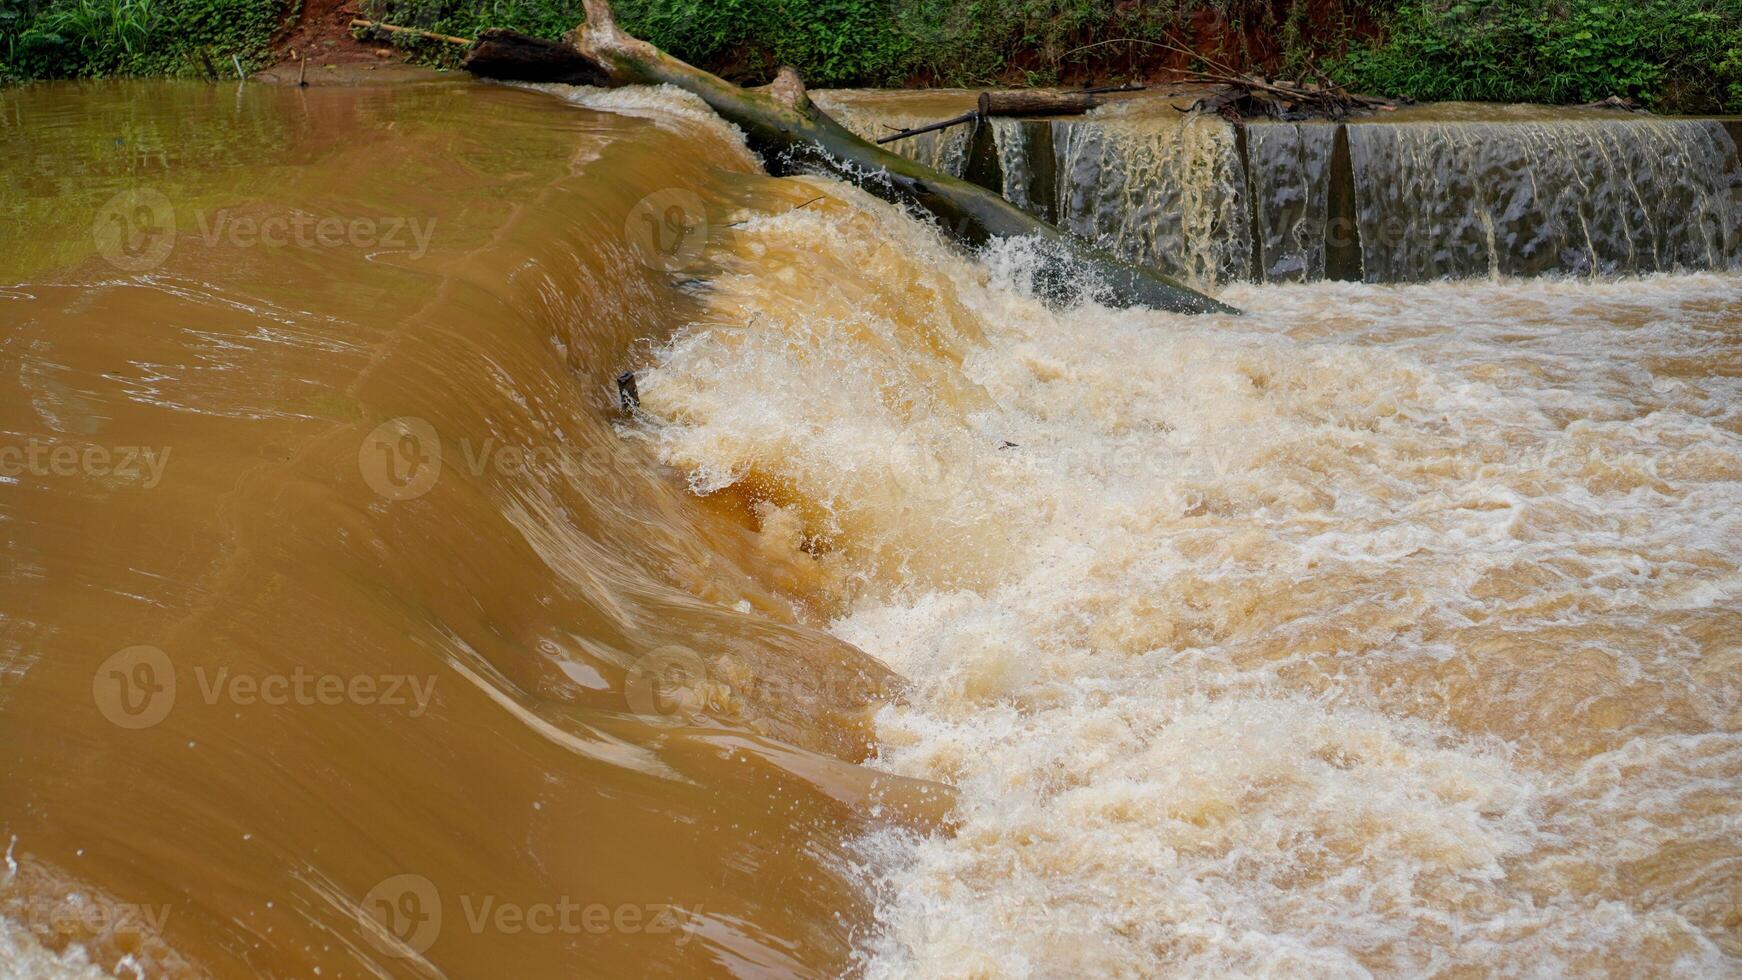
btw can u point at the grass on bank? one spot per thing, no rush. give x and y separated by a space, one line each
1671 55
95 38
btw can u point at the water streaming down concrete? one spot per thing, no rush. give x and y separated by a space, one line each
874 115
1532 196
1434 192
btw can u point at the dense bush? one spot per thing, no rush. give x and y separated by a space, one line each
85 38
1671 54
1675 55
879 42
1683 55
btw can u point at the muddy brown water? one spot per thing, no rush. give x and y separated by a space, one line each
353 627
389 657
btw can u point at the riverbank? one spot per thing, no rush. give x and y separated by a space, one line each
1672 56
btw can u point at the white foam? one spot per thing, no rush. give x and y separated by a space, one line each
22 957
1273 644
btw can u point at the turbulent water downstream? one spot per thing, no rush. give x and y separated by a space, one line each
909 627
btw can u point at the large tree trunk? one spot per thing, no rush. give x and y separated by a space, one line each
1023 102
794 135
504 54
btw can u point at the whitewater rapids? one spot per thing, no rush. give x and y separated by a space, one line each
1380 630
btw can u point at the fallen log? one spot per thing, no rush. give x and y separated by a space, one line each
794 136
1025 102
517 57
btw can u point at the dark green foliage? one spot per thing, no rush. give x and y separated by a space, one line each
829 41
1677 55
864 42
87 38
1682 55
1673 55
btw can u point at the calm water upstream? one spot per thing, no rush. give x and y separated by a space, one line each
350 626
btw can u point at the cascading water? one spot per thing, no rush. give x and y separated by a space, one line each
873 115
1017 172
335 615
1289 179
1531 196
1156 186
1426 193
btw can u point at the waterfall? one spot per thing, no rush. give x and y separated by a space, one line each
1575 196
873 115
1288 168
1161 188
1447 191
1016 171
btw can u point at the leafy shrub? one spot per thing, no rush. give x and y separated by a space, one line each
875 42
829 41
100 34
84 38
1681 55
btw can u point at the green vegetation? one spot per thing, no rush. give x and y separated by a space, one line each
1671 55
883 42
1674 55
89 38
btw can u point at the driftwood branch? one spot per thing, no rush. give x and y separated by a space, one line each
794 135
1246 96
1255 95
375 25
966 117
